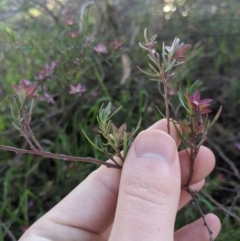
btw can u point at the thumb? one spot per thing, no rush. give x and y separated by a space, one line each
149 189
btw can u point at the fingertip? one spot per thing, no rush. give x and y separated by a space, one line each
199 230
214 223
163 126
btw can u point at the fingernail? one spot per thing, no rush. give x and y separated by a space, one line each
156 144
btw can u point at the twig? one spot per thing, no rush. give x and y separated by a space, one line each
225 158
111 157
194 197
34 139
41 120
9 233
220 205
28 141
60 156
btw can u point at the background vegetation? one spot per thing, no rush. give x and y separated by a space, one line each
39 43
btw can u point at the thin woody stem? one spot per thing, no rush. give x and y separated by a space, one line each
166 105
220 205
111 158
193 154
60 156
28 141
119 154
194 197
34 139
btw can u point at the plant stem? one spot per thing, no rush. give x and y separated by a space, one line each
60 156
220 205
166 105
194 197
34 139
28 140
111 158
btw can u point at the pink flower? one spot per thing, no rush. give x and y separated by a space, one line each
94 93
73 34
69 21
116 44
49 98
177 49
180 51
237 145
77 90
47 71
101 48
196 103
25 89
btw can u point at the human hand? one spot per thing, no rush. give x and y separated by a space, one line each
138 203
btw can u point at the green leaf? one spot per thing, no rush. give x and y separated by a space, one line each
180 97
153 69
160 112
94 145
143 71
134 131
215 118
115 112
170 65
13 114
15 126
143 47
145 35
164 55
181 137
125 146
194 87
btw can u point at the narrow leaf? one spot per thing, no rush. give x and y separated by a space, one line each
15 126
215 118
180 97
153 69
170 66
143 71
160 112
125 147
93 144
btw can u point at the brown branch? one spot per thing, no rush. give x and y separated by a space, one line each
28 140
34 139
220 206
194 197
60 156
225 158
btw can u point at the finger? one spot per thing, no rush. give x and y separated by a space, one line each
197 231
149 189
203 165
162 125
185 197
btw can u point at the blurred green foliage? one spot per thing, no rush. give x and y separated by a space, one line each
38 43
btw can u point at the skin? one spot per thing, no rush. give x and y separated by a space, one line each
138 203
